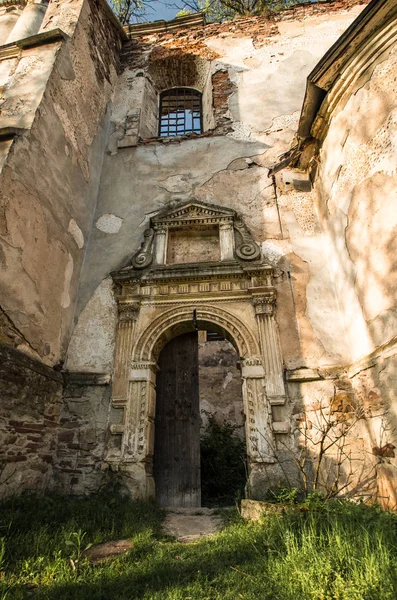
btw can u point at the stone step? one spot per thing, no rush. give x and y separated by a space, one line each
190 524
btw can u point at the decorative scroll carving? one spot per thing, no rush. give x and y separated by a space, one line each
144 257
247 249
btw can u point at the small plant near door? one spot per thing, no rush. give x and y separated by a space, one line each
223 463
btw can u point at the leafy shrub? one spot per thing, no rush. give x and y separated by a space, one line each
223 464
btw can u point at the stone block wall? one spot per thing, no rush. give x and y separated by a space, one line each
30 407
81 437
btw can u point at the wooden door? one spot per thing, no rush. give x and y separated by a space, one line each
177 424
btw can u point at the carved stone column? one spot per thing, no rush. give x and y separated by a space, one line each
128 314
271 352
258 424
160 245
226 240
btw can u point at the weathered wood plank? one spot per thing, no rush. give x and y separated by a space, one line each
177 424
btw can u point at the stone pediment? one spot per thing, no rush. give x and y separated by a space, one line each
216 234
193 213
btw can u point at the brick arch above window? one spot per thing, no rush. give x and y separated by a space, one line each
182 71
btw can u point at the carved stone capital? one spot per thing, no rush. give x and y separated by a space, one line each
264 305
253 361
128 311
160 229
226 226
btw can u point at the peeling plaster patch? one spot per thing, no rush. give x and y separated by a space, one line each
92 344
236 51
76 233
65 298
241 131
301 204
285 121
109 223
272 253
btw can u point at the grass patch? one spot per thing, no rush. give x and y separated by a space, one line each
333 551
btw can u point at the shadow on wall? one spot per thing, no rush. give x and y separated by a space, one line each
358 212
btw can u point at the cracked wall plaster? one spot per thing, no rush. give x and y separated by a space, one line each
50 175
276 72
356 191
92 344
137 181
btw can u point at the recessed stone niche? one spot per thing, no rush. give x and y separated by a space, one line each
193 245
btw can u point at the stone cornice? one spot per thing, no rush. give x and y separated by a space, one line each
191 271
369 36
86 378
193 213
161 26
357 51
7 133
39 39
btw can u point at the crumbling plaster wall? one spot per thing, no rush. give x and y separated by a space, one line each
141 177
58 93
55 95
263 102
356 190
356 199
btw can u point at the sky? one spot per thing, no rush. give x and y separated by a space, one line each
162 10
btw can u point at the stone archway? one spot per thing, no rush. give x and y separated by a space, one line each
157 303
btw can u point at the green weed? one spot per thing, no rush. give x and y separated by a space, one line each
320 551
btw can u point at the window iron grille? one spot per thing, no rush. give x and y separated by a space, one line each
180 112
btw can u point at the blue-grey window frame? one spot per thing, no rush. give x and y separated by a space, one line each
193 93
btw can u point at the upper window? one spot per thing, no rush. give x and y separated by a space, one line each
180 112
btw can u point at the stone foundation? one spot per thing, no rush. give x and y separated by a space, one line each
82 433
30 406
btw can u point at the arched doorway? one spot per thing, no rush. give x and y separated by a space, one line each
199 426
159 297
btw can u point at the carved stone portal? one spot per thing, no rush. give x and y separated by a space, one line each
159 300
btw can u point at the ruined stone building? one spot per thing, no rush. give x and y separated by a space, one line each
206 214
